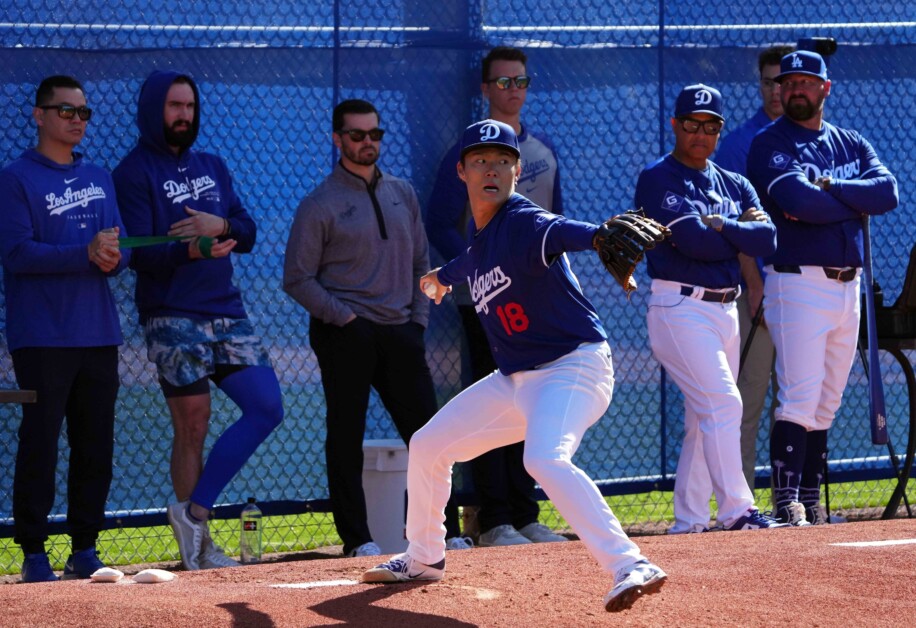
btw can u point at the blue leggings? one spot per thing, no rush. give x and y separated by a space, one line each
256 391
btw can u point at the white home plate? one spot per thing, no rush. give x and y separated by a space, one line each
876 543
314 585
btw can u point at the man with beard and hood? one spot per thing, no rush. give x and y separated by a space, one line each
194 320
817 182
354 257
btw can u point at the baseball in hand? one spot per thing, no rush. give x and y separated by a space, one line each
429 289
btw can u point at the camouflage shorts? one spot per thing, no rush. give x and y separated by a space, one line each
186 350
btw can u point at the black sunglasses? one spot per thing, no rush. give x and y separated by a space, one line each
358 135
710 127
68 111
503 82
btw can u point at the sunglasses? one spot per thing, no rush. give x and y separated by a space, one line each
358 135
68 111
710 127
503 82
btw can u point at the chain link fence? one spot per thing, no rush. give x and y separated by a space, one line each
605 76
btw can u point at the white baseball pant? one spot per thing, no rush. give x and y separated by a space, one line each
549 408
698 344
814 323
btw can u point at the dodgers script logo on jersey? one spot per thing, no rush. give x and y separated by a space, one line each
73 198
484 288
814 166
179 191
531 170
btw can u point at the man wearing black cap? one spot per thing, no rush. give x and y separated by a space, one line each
817 182
554 380
713 215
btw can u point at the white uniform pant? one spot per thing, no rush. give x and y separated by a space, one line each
549 408
698 344
814 323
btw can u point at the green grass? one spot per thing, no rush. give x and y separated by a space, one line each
643 513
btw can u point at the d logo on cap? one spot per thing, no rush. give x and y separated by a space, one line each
489 132
703 97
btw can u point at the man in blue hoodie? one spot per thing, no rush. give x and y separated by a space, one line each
59 246
195 322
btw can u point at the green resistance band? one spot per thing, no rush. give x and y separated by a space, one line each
131 242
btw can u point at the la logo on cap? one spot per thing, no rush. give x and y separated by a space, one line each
796 62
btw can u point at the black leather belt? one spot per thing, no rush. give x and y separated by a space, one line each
839 274
708 295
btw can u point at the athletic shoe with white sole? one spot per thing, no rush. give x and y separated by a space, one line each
82 564
403 568
793 515
642 578
212 555
539 533
366 549
459 543
188 533
753 519
502 536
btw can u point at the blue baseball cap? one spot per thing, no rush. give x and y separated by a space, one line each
802 62
699 98
489 133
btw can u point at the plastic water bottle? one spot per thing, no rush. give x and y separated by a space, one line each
250 539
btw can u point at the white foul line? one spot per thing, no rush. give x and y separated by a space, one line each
876 543
314 585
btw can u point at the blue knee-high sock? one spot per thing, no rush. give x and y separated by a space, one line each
256 391
809 492
787 458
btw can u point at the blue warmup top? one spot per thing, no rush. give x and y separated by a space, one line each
527 297
678 196
825 228
733 149
56 297
154 185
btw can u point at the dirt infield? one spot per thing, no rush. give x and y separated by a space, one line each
797 576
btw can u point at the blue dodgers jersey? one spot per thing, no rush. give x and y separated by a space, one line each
817 228
530 304
678 196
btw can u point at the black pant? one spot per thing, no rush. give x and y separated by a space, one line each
354 358
81 384
505 490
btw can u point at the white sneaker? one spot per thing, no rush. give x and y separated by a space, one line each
539 533
459 543
642 578
501 536
403 568
190 535
366 549
212 555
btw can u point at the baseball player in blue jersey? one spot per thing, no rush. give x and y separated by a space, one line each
508 513
713 216
816 181
555 375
